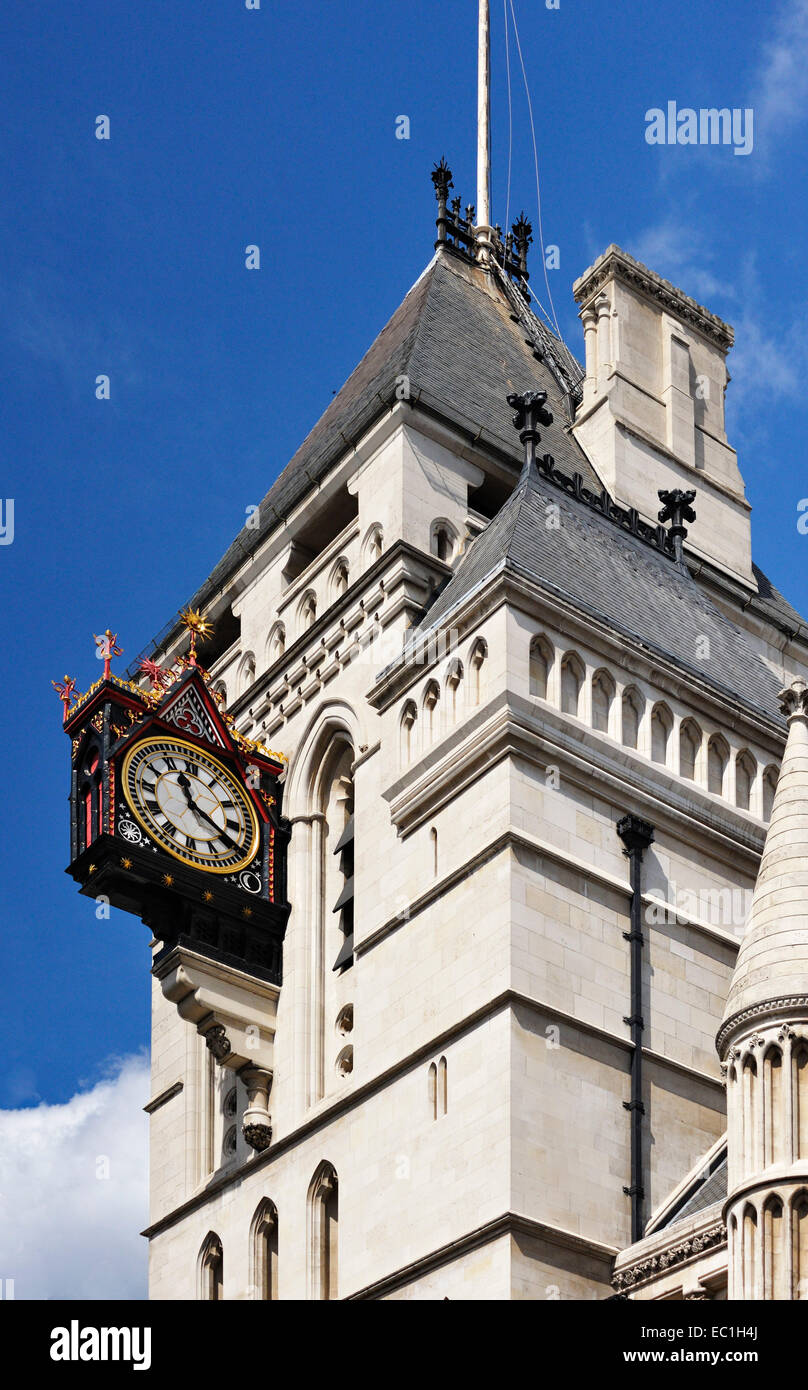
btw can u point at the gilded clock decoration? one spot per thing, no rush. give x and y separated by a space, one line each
191 804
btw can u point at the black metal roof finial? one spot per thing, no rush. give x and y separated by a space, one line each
530 413
523 234
442 179
677 509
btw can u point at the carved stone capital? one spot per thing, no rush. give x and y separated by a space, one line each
794 700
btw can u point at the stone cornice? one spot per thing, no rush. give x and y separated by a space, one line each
652 1263
617 264
510 1223
511 726
786 1004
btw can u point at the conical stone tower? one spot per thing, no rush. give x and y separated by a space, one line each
763 1046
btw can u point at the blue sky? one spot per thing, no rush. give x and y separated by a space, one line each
125 257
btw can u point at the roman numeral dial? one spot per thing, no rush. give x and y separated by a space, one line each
191 805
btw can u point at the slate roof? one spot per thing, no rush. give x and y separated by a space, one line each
462 351
457 341
618 579
706 1194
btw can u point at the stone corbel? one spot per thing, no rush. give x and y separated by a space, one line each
235 1012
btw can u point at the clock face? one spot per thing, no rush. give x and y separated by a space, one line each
190 804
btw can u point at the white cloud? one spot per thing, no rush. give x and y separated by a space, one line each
762 360
66 1231
780 97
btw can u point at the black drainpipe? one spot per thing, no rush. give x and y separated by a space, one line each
636 835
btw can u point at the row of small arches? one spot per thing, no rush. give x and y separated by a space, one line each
770 1120
442 702
305 614
561 679
769 1248
322 1228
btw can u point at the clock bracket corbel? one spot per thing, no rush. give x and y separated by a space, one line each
235 1013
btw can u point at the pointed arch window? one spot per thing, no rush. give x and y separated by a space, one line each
769 788
602 697
661 725
409 718
479 653
340 578
454 683
324 1233
211 1269
344 851
308 612
745 769
431 703
264 1251
276 643
246 673
541 661
572 679
689 749
717 760
632 708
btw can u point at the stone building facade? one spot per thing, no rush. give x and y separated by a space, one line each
478 664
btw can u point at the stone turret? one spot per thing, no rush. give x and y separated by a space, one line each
763 1046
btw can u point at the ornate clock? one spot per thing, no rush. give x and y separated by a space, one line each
175 815
190 804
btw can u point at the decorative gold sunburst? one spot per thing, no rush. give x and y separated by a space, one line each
126 863
199 627
208 896
168 880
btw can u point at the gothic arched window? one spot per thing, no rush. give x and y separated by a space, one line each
264 1251
323 1233
661 725
308 612
431 702
409 719
479 653
211 1269
340 578
572 679
717 760
689 749
602 696
246 675
769 788
276 643
745 769
632 708
541 662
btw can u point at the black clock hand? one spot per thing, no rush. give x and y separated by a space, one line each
222 834
203 815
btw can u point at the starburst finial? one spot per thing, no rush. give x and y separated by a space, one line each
107 647
198 626
156 674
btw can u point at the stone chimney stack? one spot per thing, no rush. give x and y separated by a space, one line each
652 415
763 1047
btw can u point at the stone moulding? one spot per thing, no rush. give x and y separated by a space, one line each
786 1004
650 1266
616 263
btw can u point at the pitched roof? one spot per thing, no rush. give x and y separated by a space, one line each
617 578
456 340
705 1191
